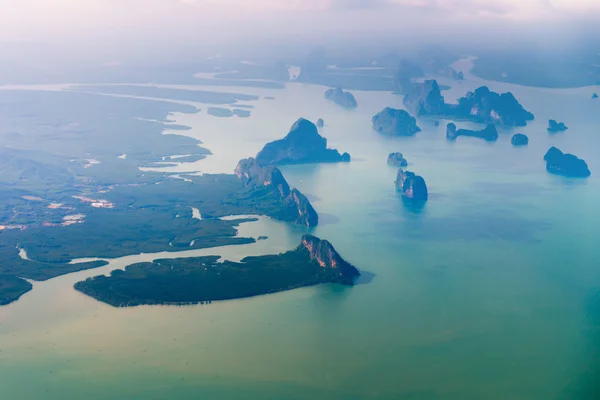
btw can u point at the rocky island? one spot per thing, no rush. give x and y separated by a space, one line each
397 160
481 105
411 186
595 96
270 179
393 122
565 164
320 123
554 126
204 279
519 139
485 106
489 133
302 145
341 98
425 99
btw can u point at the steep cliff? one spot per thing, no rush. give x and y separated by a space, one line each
293 203
328 258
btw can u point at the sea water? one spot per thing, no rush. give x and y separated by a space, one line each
485 292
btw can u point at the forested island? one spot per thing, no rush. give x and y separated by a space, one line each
203 279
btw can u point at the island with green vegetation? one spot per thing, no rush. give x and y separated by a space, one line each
204 279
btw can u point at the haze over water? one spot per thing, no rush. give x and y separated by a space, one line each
483 293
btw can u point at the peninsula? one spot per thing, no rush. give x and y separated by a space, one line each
204 279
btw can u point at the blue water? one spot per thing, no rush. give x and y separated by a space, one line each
487 292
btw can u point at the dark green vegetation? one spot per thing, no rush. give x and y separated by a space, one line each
202 279
11 288
269 181
70 185
302 145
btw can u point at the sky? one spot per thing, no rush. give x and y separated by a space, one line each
122 20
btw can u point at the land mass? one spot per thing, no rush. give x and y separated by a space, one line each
11 288
265 182
393 122
69 191
302 145
519 139
554 126
397 160
203 279
411 186
482 105
565 164
341 98
488 133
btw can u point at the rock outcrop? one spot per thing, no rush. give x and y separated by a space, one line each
320 123
253 175
489 133
302 145
485 106
595 96
412 186
397 160
391 121
426 99
341 98
554 126
565 164
328 258
519 139
481 105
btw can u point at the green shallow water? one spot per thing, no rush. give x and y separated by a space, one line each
485 293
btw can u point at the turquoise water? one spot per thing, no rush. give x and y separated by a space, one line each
482 294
